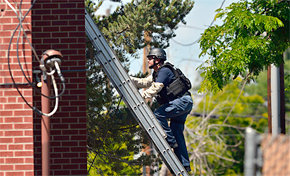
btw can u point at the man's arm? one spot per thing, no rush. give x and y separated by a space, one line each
142 82
152 90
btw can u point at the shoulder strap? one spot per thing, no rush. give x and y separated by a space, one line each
171 67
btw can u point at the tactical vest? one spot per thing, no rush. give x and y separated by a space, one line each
177 88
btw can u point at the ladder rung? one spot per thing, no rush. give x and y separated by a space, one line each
140 110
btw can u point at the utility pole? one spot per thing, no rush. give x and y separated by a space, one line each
276 98
45 126
146 50
269 99
49 59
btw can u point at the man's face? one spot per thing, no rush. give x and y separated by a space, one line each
151 60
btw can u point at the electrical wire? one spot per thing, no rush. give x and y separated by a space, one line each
17 49
20 23
196 41
8 59
56 100
9 68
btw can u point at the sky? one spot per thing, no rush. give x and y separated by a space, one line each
180 53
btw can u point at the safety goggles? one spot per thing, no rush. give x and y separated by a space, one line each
151 57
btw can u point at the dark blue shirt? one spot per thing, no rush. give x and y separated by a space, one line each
165 76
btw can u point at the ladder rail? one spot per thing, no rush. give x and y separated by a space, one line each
140 110
136 99
111 72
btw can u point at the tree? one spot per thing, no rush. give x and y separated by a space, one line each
216 138
125 28
253 35
114 137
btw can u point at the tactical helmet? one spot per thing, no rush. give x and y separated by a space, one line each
157 52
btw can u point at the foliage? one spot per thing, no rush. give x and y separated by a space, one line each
126 27
115 144
253 35
114 137
216 141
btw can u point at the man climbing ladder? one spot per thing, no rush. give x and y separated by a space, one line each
174 107
124 85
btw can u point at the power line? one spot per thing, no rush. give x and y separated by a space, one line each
219 115
196 41
191 27
21 18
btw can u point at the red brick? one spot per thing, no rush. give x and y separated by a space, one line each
29 173
79 172
62 172
24 140
79 161
15 174
23 167
6 154
15 160
68 5
28 147
56 167
59 149
23 112
28 133
11 93
77 126
13 106
59 161
78 137
13 133
24 153
3 147
15 147
13 119
71 167
6 167
70 155
28 160
6 126
23 126
69 144
60 11
3 99
28 119
6 140
11 99
60 34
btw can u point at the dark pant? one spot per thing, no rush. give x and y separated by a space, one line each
177 111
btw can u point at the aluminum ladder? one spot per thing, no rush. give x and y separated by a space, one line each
125 87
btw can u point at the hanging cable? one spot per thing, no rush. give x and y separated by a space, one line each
54 59
196 41
41 64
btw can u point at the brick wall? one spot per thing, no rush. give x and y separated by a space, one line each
60 25
16 131
55 25
276 155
